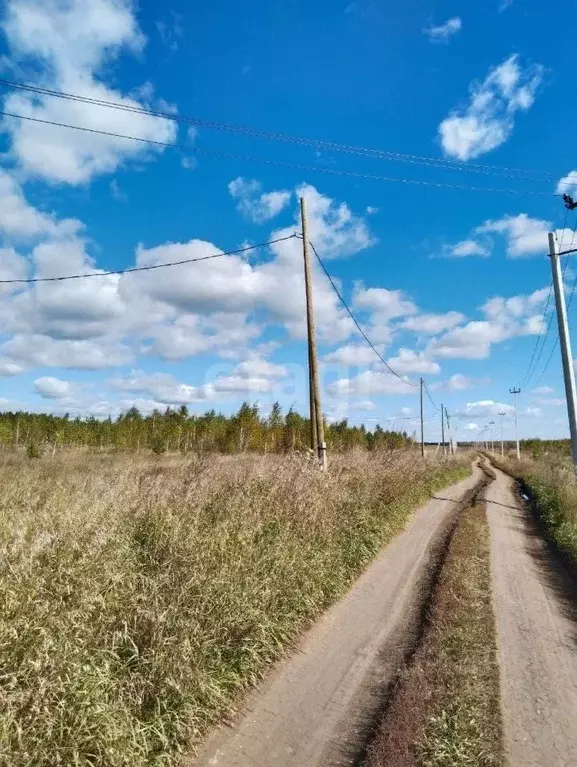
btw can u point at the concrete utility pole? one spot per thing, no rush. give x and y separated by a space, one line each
502 414
564 342
422 423
450 433
316 411
443 427
515 393
491 425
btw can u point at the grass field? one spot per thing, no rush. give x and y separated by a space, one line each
140 596
552 490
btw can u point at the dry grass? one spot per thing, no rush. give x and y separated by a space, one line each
140 596
552 489
446 710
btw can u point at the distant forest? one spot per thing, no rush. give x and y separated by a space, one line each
178 430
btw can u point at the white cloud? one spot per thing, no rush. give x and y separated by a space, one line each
533 412
53 388
70 43
383 303
370 382
352 354
542 390
409 361
525 236
444 32
364 405
484 409
488 121
456 382
162 387
371 210
42 351
10 368
472 426
467 248
254 204
505 318
431 324
406 411
21 221
568 184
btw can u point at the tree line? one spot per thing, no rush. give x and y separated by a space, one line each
178 430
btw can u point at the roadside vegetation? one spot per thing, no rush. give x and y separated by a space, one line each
445 711
142 594
550 486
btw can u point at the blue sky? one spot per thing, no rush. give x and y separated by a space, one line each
449 283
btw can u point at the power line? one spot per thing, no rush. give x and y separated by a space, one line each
550 357
529 371
281 163
132 269
354 319
432 401
443 163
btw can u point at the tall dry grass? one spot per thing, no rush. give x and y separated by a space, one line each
550 482
140 596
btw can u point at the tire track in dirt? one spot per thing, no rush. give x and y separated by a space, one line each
318 708
534 600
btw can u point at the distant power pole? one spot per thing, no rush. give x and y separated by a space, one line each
422 423
502 414
564 342
443 427
515 393
491 425
450 433
316 412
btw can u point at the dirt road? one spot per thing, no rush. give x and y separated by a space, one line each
537 637
314 708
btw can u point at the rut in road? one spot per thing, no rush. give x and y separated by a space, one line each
318 708
537 628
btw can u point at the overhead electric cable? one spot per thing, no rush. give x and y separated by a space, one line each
356 322
132 269
280 163
448 164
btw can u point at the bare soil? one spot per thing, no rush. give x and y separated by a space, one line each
318 707
535 609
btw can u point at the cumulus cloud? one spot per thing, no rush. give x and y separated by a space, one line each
253 203
384 304
524 236
19 220
483 409
444 32
70 44
409 361
489 119
431 324
505 318
370 382
467 248
53 388
568 184
352 354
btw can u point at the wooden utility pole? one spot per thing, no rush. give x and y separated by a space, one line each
443 427
422 423
316 411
